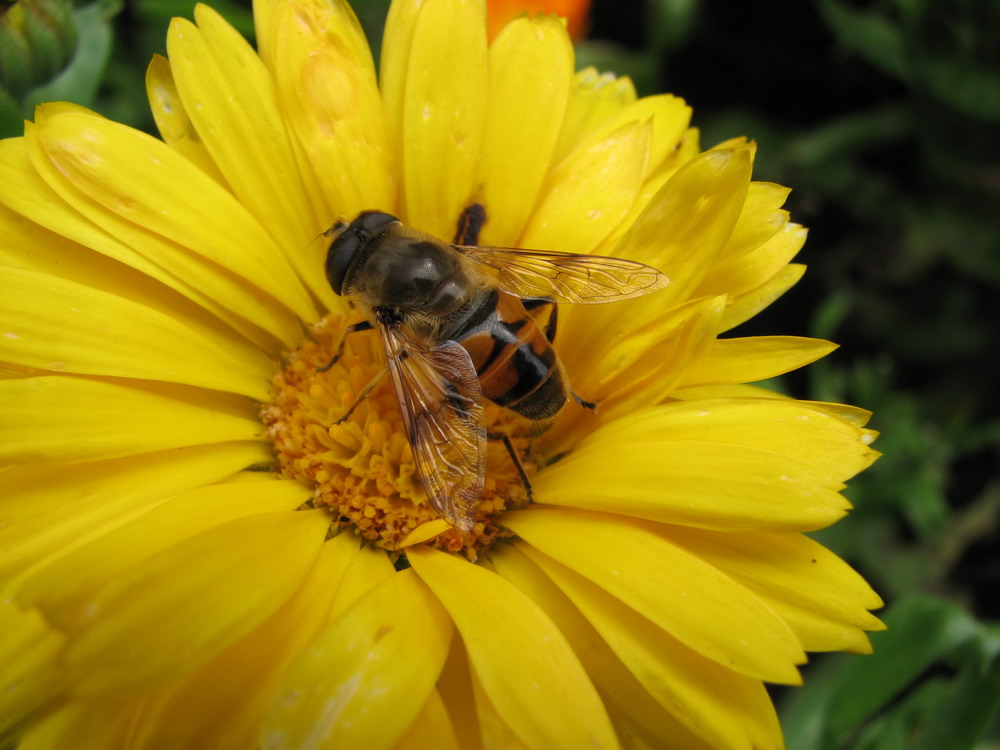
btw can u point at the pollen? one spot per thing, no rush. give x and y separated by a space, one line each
362 469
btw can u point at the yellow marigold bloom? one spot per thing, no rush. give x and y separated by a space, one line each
195 556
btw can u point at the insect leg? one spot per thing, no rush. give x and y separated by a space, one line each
469 224
592 405
517 461
363 395
364 325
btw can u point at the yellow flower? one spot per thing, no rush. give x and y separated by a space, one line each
195 556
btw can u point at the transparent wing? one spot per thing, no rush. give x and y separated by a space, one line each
442 406
566 277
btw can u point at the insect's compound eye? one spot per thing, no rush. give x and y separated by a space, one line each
372 221
350 244
339 259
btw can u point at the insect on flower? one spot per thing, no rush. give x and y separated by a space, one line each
460 323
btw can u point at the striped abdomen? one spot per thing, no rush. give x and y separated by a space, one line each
509 341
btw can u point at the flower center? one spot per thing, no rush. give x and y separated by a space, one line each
362 469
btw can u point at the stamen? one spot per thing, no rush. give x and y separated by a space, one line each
362 469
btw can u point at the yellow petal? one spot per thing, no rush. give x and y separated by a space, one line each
138 180
241 683
167 261
640 366
683 152
57 325
800 430
431 729
678 591
748 304
596 97
635 368
820 597
586 196
818 633
527 669
264 28
64 588
724 708
397 42
425 532
695 483
33 247
700 205
854 415
327 88
628 701
182 607
760 219
52 509
25 191
458 694
82 725
792 567
744 360
531 71
173 121
443 113
231 98
367 676
60 418
739 275
686 225
29 651
668 115
729 390
368 567
495 732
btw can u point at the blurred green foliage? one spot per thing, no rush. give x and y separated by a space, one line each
884 117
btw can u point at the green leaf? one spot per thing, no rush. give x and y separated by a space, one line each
880 701
962 716
921 632
11 122
964 86
869 35
893 730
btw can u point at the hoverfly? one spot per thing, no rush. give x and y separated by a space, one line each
460 323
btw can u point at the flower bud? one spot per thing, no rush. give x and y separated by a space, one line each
37 40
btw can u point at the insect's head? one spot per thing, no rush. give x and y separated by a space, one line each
351 244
